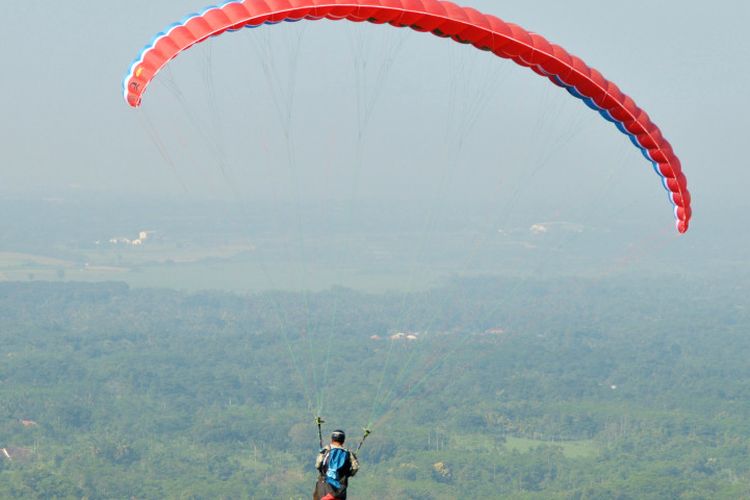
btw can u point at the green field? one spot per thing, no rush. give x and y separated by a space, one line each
234 268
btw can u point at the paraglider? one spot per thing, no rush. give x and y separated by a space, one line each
335 465
443 19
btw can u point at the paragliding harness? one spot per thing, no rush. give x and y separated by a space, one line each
335 458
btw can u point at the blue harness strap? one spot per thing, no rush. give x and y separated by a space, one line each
336 459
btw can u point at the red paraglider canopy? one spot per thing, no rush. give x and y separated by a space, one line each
443 19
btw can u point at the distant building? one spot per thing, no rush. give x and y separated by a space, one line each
142 237
495 331
405 336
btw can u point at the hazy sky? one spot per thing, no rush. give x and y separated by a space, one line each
65 124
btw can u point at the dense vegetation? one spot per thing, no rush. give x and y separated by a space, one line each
617 388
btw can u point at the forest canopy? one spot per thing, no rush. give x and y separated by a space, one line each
563 388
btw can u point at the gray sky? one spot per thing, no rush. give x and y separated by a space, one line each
65 124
